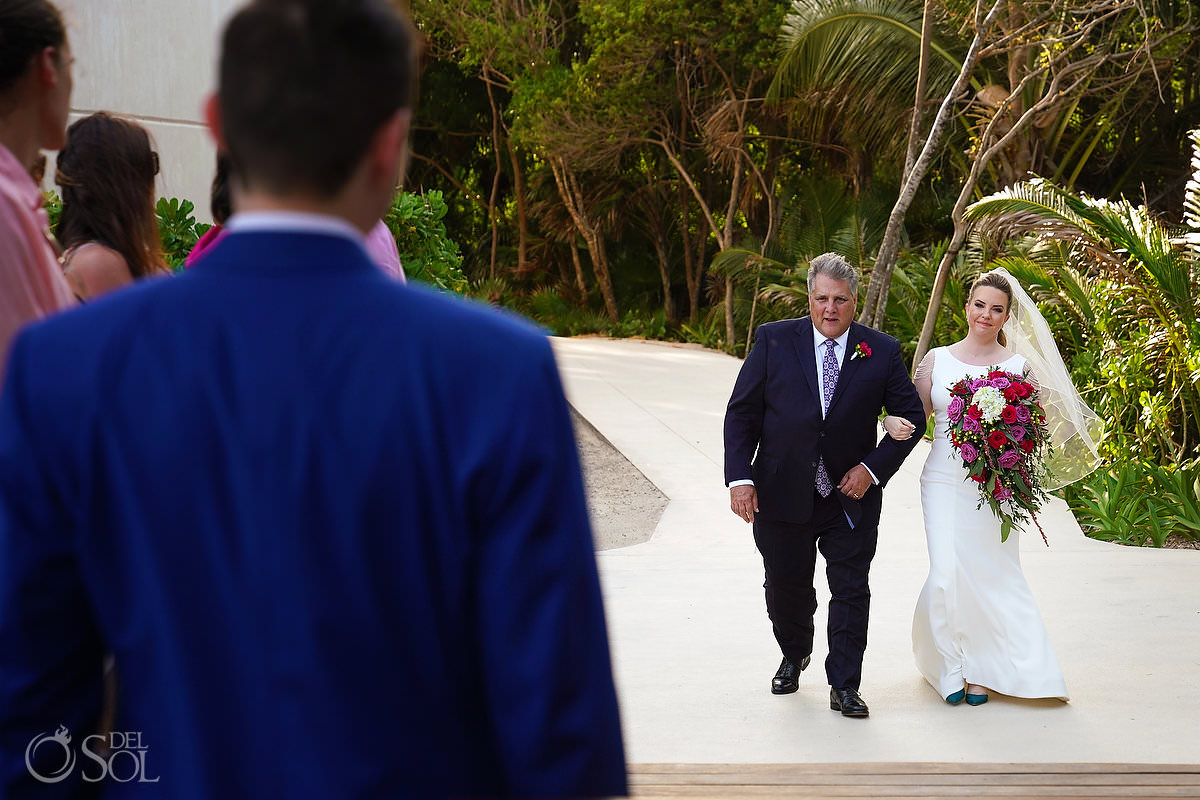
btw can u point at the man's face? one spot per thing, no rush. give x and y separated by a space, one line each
831 304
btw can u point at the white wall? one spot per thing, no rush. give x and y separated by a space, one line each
153 61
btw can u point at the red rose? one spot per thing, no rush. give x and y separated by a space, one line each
1009 414
1028 445
974 412
996 373
997 440
978 478
1024 389
1011 394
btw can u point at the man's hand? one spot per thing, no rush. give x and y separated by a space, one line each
856 482
744 500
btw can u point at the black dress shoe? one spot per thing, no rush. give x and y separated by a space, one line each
848 702
787 677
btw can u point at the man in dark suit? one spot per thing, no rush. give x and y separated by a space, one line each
802 464
330 527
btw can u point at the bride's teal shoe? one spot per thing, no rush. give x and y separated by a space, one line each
957 697
976 699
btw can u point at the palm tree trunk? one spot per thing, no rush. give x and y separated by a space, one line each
875 305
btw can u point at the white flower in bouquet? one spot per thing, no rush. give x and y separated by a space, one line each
990 402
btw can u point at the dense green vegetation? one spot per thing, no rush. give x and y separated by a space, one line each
666 169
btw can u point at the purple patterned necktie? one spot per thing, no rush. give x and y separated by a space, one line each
829 377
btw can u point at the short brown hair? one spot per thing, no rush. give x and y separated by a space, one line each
26 27
305 84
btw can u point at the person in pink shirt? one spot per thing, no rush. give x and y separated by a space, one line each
381 246
35 96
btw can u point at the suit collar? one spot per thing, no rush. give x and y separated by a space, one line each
806 353
285 254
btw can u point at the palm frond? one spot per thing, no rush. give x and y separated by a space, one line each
856 61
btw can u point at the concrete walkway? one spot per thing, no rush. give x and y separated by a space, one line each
693 650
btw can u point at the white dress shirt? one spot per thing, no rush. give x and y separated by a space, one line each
839 352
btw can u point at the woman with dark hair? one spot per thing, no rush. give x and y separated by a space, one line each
35 95
106 172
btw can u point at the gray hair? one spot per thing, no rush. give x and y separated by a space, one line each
834 266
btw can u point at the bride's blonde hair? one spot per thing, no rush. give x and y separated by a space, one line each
995 281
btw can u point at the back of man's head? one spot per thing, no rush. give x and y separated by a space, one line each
305 84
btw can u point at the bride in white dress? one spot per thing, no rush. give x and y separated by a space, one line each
976 627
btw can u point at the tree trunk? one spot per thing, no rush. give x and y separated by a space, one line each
495 180
914 130
691 275
725 242
986 153
572 197
522 208
579 280
664 272
875 306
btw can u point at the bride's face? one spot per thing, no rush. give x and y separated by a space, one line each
987 311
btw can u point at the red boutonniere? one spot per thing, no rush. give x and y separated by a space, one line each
861 350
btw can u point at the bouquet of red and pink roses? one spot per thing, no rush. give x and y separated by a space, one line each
998 426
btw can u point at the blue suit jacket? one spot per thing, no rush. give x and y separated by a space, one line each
331 527
775 410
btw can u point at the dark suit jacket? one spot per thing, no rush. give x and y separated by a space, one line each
332 528
774 432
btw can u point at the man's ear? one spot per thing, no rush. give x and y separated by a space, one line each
49 70
214 121
389 145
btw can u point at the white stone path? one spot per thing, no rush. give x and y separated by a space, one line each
693 650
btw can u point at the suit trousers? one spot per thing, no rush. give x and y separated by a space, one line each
789 553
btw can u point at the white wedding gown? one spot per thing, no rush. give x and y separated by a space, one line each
976 620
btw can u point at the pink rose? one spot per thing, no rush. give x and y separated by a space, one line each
968 452
956 409
1023 414
1009 459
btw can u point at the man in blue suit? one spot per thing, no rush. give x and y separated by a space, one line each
330 528
803 465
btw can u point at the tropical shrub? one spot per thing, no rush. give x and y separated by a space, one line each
426 249
1114 269
178 228
1138 502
